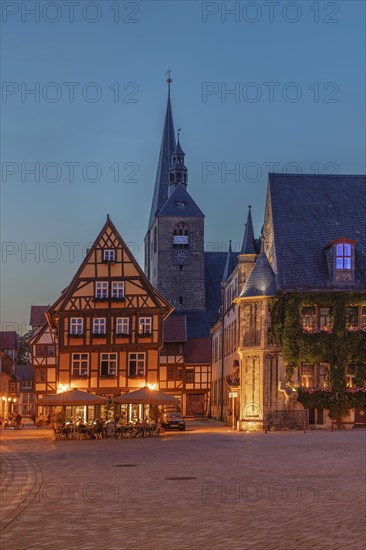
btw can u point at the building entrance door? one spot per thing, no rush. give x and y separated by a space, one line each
360 416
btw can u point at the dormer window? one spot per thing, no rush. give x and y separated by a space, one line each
343 256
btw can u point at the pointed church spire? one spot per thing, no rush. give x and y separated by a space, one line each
161 188
248 246
229 264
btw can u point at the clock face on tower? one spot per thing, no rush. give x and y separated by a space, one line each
181 257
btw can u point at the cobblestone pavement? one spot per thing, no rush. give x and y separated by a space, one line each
206 488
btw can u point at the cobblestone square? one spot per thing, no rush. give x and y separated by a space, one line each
207 487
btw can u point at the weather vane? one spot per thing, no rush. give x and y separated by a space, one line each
168 74
178 132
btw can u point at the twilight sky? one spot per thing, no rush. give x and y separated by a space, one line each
271 86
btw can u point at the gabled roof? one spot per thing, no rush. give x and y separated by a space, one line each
261 281
37 315
167 147
249 243
306 213
175 328
8 339
180 203
108 234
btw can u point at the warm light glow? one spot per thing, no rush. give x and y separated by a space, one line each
152 386
14 400
62 387
3 398
9 398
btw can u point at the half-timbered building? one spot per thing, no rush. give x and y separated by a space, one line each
104 332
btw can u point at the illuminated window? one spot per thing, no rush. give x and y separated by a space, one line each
145 324
307 374
350 375
308 318
343 256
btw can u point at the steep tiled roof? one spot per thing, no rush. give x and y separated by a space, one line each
261 281
8 339
198 351
309 212
37 317
175 328
180 203
166 149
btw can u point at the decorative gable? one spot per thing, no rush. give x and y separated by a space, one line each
117 282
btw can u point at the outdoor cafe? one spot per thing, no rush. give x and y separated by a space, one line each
77 414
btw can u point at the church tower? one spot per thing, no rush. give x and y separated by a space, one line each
174 242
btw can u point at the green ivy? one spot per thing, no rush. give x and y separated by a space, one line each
339 348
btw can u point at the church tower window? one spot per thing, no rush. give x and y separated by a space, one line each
180 236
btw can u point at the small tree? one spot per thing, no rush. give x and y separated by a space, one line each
24 356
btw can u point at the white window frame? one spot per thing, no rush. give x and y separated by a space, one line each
111 359
118 289
80 364
109 255
26 384
137 360
101 289
76 326
99 325
145 325
122 325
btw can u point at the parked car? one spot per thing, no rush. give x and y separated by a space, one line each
173 419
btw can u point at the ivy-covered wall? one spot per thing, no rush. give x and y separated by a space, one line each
339 347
